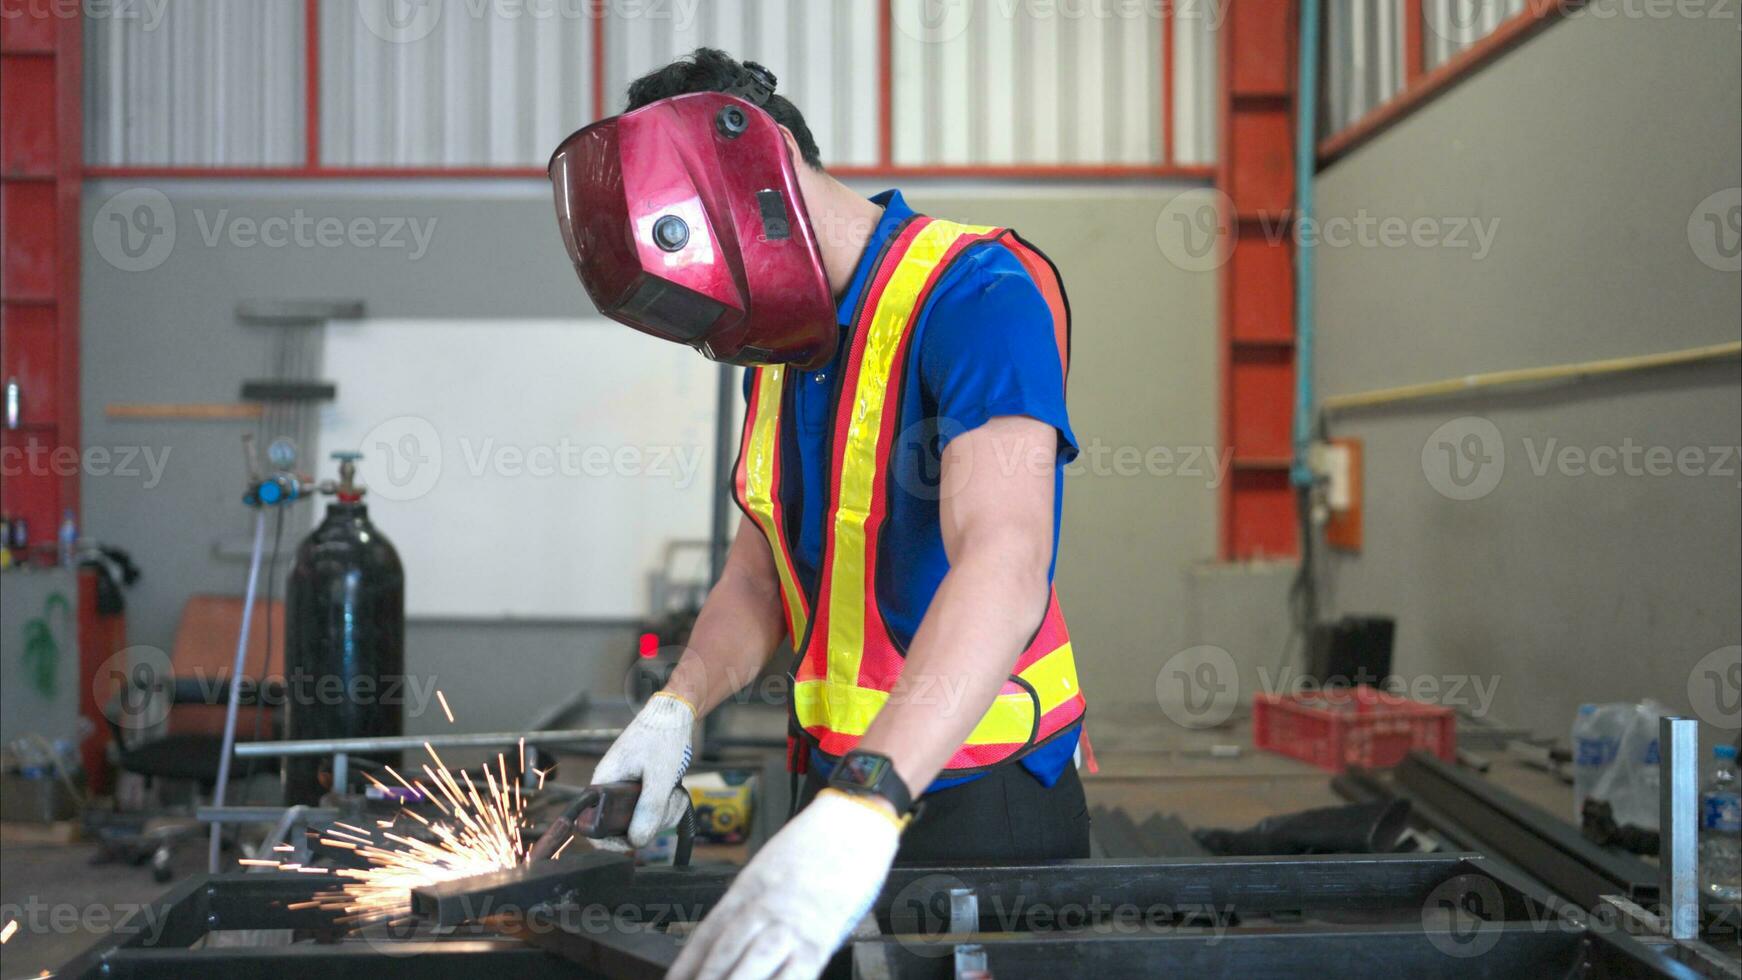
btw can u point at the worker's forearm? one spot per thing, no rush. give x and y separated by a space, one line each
983 613
739 627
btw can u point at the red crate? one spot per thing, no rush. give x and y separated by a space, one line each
1360 726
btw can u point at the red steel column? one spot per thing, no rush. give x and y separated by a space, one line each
41 158
1256 172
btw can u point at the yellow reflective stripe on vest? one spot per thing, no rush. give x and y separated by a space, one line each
849 709
759 457
859 470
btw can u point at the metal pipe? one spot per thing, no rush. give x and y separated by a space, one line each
1555 372
1678 740
389 743
235 699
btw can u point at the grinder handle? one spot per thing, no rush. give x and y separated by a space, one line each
605 809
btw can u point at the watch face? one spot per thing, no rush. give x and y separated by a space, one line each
861 770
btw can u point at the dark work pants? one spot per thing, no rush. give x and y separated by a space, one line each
1004 816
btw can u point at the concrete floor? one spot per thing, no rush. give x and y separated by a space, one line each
60 896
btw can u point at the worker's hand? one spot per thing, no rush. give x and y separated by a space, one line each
654 750
801 895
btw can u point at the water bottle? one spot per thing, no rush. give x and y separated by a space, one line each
1594 747
69 540
1721 829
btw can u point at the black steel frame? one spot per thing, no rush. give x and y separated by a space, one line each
1452 915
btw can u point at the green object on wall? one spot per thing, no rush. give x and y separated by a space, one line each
41 657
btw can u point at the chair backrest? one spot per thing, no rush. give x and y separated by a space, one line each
205 649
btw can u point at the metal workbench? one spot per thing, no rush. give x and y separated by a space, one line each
1448 915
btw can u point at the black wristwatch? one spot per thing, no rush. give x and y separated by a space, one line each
870 774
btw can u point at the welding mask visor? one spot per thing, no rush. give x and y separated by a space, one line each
684 220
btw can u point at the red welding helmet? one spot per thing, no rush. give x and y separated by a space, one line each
684 221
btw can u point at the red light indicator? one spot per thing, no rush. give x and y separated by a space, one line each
647 645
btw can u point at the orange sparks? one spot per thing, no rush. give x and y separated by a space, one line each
443 698
482 828
7 931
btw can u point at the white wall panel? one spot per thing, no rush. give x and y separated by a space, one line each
824 53
1196 102
989 82
195 83
469 83
459 84
1363 64
1451 26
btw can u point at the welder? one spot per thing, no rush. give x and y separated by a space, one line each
900 474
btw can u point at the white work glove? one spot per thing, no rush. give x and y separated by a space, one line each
801 895
655 750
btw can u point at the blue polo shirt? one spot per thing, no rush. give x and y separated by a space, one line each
985 347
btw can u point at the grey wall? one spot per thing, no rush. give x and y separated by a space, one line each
1143 378
1591 146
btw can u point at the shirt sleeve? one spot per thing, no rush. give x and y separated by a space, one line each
988 348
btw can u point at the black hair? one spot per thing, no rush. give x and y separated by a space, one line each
713 70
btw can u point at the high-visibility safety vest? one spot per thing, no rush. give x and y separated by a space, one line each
847 663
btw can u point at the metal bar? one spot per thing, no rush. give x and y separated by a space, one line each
1414 41
353 960
476 740
1243 887
311 19
617 948
593 873
1507 827
234 701
885 85
1678 740
263 814
1169 79
1500 950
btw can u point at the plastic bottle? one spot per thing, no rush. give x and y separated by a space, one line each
69 540
1721 829
1595 742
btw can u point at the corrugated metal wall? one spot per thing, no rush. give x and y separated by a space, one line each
458 83
1003 82
1450 26
196 83
1364 56
468 83
824 53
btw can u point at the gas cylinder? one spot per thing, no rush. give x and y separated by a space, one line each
344 638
